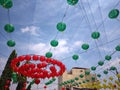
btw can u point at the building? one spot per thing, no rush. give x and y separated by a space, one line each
78 75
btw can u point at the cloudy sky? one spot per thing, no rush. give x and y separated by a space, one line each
35 26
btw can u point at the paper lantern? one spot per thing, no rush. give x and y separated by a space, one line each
72 2
61 26
37 81
99 75
111 78
81 75
11 43
54 43
75 57
113 13
48 54
100 63
85 46
76 78
93 68
108 57
93 78
117 48
14 77
9 28
87 72
105 72
112 68
7 4
95 35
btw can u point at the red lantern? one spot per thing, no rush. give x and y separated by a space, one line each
28 57
63 88
35 57
6 86
8 82
42 58
45 87
37 81
24 84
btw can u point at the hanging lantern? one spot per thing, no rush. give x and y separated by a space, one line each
87 72
11 43
72 2
113 13
81 75
14 77
93 78
48 54
9 28
111 78
100 63
95 35
108 57
117 48
87 80
54 43
99 75
75 57
105 72
7 4
76 78
85 46
104 80
112 68
61 26
45 87
37 81
93 68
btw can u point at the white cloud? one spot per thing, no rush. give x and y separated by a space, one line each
78 43
30 29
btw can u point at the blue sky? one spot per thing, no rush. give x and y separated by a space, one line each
35 26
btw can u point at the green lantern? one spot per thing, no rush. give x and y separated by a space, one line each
76 78
87 72
108 57
72 81
93 78
85 46
99 75
81 75
93 68
113 13
54 43
7 4
14 77
11 43
117 48
61 26
48 54
112 68
72 2
88 80
84 82
105 72
9 28
100 63
95 35
75 57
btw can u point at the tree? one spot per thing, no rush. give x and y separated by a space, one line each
7 72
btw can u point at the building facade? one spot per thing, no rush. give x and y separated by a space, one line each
75 72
